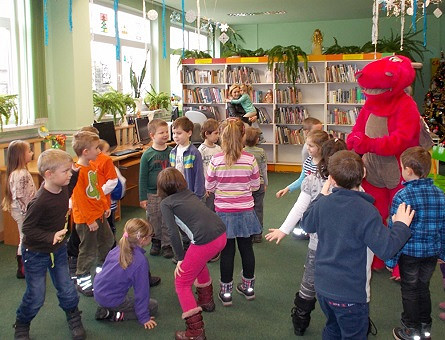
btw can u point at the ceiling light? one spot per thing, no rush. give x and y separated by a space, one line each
243 14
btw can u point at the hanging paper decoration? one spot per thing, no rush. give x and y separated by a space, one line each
164 33
223 27
402 23
437 12
375 24
116 27
223 38
198 7
190 16
45 21
103 24
70 15
414 14
152 14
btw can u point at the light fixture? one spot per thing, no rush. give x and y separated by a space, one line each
248 14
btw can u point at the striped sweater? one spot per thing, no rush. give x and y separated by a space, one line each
233 185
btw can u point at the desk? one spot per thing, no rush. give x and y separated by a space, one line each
127 164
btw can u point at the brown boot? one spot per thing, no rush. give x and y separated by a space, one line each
205 296
195 326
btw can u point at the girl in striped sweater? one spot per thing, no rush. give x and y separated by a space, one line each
232 175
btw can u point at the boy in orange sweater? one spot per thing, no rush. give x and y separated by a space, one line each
90 211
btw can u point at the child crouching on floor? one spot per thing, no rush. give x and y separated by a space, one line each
126 266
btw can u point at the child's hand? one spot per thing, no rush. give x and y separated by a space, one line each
275 234
143 204
59 236
439 261
404 214
326 186
253 119
150 324
93 226
282 192
107 213
389 269
74 167
178 269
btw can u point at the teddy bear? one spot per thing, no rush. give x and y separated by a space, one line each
387 125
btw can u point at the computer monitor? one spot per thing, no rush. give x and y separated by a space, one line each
107 133
142 130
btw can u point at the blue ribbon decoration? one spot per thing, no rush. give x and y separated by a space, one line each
164 34
116 28
183 28
45 20
70 15
424 25
414 16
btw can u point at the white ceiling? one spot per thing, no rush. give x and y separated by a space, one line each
297 10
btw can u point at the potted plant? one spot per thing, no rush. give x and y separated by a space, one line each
288 57
8 107
157 102
136 84
114 103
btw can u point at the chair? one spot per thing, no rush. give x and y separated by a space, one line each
197 118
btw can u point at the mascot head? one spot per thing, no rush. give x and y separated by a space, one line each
386 77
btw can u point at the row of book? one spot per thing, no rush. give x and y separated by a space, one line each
258 96
343 117
351 96
289 95
341 73
304 75
290 115
242 75
204 95
285 135
196 76
263 116
212 109
338 134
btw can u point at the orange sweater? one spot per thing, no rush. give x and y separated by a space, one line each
105 172
89 202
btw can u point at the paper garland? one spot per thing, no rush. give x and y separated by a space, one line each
164 34
116 28
45 21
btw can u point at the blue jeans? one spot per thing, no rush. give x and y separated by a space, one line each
415 275
36 264
344 320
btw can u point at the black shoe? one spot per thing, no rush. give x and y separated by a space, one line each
167 252
155 247
402 333
257 238
154 280
84 285
106 314
75 324
21 331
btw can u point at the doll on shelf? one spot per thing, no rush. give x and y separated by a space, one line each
317 40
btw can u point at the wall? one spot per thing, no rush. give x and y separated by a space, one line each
348 32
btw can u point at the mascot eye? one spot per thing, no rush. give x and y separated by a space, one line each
389 74
395 59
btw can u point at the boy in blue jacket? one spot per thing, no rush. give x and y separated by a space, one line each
347 223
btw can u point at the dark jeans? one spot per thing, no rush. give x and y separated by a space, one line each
228 257
415 276
258 199
36 265
344 320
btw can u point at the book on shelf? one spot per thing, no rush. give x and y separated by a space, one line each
343 117
338 134
197 76
263 116
242 75
341 73
308 75
289 95
206 95
291 115
212 109
344 96
285 135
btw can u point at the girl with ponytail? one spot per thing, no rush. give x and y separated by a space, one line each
127 266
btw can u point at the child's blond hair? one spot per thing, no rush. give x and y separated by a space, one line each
16 160
83 140
155 124
90 129
233 87
134 231
103 145
208 127
318 137
233 131
52 159
310 122
252 136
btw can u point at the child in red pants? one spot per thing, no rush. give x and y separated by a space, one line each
184 212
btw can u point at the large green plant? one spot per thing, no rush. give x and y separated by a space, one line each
136 82
8 107
288 56
190 54
114 103
155 100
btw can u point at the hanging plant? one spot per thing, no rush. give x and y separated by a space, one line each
288 56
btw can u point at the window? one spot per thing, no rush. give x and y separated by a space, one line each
191 42
16 69
134 34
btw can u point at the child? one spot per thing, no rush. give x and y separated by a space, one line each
90 211
155 159
418 258
252 140
184 211
210 134
314 141
186 158
233 175
240 95
309 124
19 191
44 246
340 268
305 298
126 266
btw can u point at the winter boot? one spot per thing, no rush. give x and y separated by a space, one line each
72 266
21 330
225 293
154 280
75 324
195 326
425 331
301 314
405 333
106 314
205 296
167 252
155 247
84 284
246 288
20 269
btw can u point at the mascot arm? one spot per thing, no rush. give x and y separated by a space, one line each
357 130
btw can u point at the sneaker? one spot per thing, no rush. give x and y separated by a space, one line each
299 234
215 258
257 238
155 247
425 331
106 314
167 252
84 285
402 333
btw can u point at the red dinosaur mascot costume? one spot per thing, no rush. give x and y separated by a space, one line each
387 125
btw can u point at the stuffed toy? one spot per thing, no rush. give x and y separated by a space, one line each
387 125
